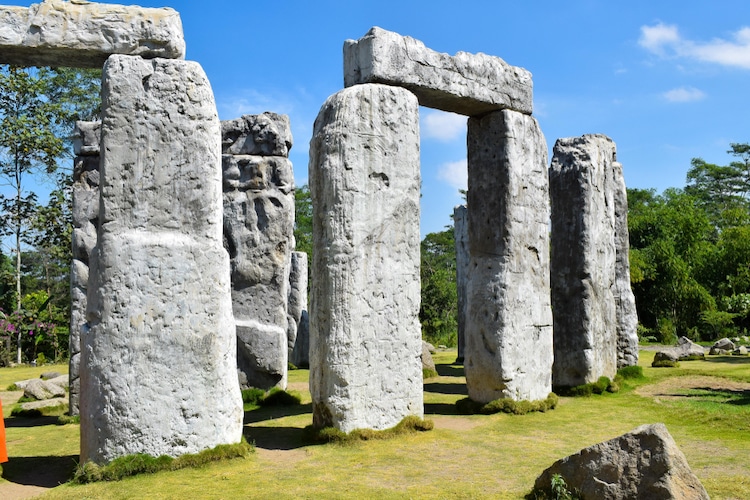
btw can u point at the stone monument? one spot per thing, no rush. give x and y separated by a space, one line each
85 224
258 234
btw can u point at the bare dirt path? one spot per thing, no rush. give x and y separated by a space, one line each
671 388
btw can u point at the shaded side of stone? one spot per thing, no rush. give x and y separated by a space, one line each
298 334
508 351
468 84
461 236
83 239
643 464
83 34
625 310
158 363
583 260
258 234
365 336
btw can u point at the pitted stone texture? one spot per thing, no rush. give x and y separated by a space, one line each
365 338
296 307
467 84
85 224
267 134
625 311
461 237
158 366
508 351
643 464
84 34
258 234
583 260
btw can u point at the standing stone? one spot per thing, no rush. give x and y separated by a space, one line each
158 363
461 236
258 234
85 222
583 260
627 316
365 337
508 352
297 309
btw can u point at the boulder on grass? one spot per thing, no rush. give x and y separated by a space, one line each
724 344
685 350
47 403
645 463
61 381
49 375
740 351
42 389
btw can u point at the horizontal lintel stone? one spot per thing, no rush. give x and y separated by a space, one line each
84 34
467 84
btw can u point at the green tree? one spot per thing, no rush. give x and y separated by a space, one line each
28 146
303 218
439 311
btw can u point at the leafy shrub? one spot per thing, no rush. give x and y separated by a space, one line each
604 384
68 419
278 397
408 425
506 405
634 372
12 387
274 397
665 363
141 463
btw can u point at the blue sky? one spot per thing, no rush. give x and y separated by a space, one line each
666 80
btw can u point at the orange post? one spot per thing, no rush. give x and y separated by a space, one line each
3 449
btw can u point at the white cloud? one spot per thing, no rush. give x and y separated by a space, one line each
665 41
684 94
454 174
443 126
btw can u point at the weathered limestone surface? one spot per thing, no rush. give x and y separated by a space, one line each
468 84
461 236
84 34
645 463
685 349
258 234
583 260
625 311
508 351
85 224
158 363
365 338
297 333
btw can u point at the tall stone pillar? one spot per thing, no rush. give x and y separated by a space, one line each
508 352
158 365
583 260
365 336
627 316
298 333
258 234
461 237
85 222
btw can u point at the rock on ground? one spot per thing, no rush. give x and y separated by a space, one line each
684 350
42 389
643 464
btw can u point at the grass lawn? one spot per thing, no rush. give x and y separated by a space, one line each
705 405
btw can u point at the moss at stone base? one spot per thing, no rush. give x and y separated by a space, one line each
468 406
408 425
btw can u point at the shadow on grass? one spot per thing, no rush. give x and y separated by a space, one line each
264 413
441 409
29 422
450 370
733 360
439 388
731 397
276 438
45 472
